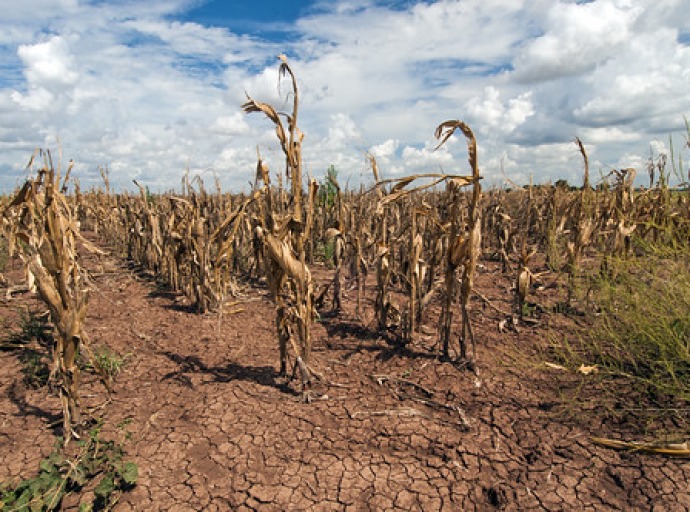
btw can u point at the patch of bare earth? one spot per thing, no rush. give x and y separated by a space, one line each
213 428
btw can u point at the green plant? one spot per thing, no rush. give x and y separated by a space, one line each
328 189
110 361
325 251
528 310
35 368
150 199
4 253
96 465
641 333
32 327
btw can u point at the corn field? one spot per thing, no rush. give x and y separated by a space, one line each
408 247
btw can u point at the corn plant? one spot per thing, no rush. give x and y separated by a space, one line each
464 242
524 280
283 238
44 224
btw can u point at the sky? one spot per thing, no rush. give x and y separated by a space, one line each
149 89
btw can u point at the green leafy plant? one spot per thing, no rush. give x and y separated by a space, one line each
33 327
529 309
150 198
109 360
94 465
325 250
328 189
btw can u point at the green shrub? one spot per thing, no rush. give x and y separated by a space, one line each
96 466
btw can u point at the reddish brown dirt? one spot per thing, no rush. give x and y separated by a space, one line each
214 429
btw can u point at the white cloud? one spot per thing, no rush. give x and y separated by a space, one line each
48 64
49 71
577 38
37 9
638 85
234 124
343 132
135 86
491 114
602 135
427 158
658 148
385 149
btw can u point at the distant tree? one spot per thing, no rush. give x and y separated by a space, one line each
563 184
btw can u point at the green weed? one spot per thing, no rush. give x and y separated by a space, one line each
32 327
96 465
328 189
640 330
35 368
110 360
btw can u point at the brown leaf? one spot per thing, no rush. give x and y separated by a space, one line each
586 370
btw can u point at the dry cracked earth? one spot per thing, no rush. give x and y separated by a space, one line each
213 428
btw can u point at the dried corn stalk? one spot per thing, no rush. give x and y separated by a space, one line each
584 228
464 244
45 224
283 239
411 256
524 280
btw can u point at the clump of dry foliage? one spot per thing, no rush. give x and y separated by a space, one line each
422 236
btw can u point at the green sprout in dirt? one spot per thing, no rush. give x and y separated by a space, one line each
93 468
33 327
109 360
35 368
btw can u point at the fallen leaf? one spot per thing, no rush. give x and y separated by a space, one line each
586 370
681 450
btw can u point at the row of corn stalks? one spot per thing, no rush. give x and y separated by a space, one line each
41 227
422 236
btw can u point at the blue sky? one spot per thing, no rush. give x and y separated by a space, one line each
241 17
151 88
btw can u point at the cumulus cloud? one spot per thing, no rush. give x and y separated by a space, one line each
139 87
386 149
627 94
490 113
234 124
48 64
38 9
577 37
427 158
49 71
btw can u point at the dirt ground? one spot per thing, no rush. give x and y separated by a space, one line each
214 429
